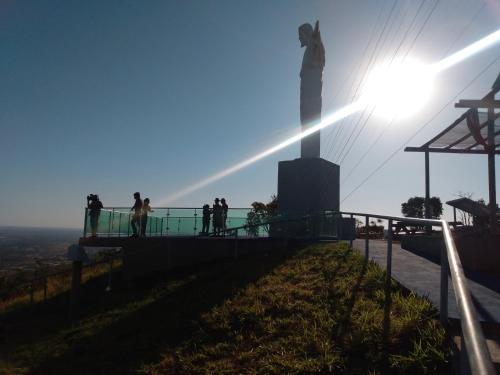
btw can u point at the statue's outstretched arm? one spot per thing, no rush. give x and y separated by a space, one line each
319 50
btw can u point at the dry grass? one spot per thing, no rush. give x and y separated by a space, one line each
56 284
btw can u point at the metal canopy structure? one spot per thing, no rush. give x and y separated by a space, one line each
477 131
467 135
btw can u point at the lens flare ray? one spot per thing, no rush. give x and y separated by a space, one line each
327 121
466 52
336 116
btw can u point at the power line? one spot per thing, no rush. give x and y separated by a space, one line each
339 155
392 121
406 55
386 23
394 54
464 29
419 130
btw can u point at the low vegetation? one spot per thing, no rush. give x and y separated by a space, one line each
321 310
51 283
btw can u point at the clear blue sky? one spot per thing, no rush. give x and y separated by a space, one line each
114 97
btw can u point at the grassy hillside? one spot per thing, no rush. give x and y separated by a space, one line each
321 310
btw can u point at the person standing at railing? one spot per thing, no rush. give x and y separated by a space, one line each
136 217
217 219
225 208
206 219
144 216
94 206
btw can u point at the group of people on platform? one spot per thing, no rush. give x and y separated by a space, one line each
219 217
217 214
139 219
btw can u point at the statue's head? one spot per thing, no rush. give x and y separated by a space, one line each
305 34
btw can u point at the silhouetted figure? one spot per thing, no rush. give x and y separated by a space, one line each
206 219
136 217
217 217
225 208
144 217
94 205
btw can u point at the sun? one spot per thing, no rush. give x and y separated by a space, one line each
398 89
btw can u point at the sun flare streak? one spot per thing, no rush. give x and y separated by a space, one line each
327 121
338 115
466 52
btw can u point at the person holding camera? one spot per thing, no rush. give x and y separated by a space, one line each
94 206
206 220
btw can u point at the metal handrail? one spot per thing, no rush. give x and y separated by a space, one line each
473 342
397 218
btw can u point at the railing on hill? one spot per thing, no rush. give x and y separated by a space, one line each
325 224
477 358
116 221
45 284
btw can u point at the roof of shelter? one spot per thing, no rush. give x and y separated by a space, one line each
469 133
470 206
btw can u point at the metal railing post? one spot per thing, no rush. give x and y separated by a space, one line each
112 221
85 223
195 220
389 252
474 341
443 303
76 279
350 241
367 237
120 224
166 227
236 244
109 223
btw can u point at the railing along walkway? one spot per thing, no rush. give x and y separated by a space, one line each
476 359
423 278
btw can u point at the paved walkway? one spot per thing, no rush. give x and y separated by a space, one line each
423 277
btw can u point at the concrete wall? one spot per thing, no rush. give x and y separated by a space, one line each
308 185
479 253
143 256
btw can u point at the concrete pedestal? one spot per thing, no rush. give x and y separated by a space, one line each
308 185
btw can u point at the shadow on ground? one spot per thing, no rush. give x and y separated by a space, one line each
122 330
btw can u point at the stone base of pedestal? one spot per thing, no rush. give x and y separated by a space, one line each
307 186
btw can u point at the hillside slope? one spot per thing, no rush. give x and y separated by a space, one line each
320 310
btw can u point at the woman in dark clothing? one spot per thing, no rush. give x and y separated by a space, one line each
225 208
136 217
144 216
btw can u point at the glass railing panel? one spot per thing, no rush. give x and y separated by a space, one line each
115 222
